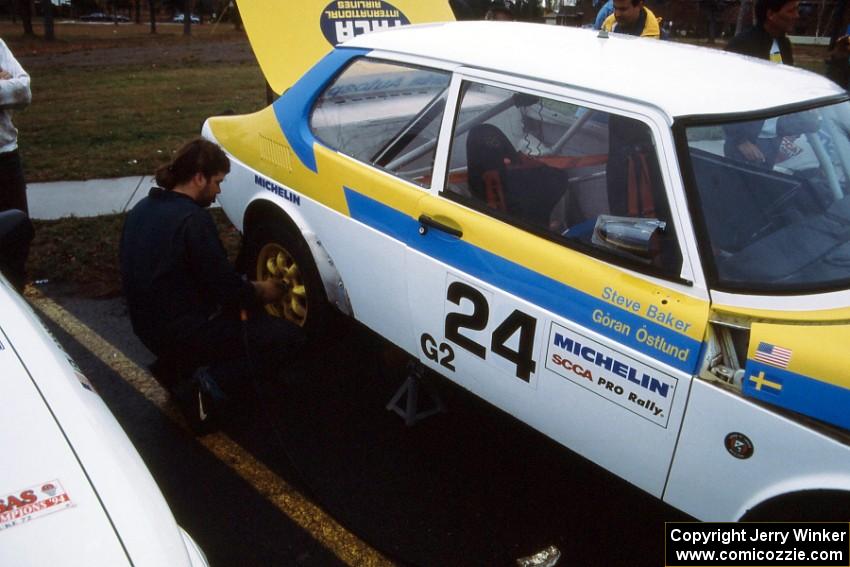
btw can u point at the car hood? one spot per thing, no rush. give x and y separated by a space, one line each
73 490
307 30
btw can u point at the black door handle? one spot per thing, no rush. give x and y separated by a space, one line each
425 221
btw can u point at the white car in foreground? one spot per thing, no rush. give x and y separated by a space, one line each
73 489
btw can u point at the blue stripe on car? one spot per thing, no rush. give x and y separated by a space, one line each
797 392
543 291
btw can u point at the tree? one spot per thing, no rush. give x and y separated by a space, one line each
49 33
152 10
237 17
711 9
187 17
25 10
745 16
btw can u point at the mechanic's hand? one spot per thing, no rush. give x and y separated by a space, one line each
751 152
270 291
841 49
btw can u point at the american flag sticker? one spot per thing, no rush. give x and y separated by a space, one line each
773 355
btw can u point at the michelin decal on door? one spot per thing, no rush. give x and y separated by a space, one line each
622 380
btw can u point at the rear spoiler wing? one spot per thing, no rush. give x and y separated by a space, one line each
289 36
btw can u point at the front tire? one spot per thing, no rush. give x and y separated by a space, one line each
276 250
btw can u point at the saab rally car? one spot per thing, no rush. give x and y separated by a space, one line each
565 225
73 489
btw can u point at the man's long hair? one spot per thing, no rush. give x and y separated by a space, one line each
197 156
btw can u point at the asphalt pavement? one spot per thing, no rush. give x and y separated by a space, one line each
468 487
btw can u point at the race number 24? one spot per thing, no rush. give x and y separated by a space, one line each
517 321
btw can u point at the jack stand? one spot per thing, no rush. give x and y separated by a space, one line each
410 410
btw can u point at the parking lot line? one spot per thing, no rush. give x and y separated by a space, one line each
312 519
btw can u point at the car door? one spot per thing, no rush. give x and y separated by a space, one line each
377 124
549 276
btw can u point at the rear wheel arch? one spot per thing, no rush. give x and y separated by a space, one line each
262 212
826 505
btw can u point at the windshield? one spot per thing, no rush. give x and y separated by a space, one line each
774 196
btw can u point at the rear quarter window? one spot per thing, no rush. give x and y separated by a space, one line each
384 114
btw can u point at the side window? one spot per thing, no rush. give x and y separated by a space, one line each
572 174
384 114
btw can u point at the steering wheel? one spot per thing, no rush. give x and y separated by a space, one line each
773 212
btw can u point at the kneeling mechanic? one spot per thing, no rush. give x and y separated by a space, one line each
187 303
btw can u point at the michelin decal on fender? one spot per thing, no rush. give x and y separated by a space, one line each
346 19
273 187
626 382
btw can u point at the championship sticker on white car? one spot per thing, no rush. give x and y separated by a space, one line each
22 506
620 379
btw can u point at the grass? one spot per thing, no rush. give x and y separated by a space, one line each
87 123
97 121
82 253
76 36
114 119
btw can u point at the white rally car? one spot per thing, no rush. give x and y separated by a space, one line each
567 225
73 489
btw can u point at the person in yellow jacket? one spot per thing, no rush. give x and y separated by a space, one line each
633 18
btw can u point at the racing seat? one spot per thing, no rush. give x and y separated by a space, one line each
508 181
488 151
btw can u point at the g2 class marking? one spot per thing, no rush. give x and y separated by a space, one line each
433 352
612 375
273 187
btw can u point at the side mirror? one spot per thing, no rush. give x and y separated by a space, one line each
807 122
635 237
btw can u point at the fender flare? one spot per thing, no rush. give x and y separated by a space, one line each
808 487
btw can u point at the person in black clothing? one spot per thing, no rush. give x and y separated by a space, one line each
766 40
838 62
187 304
500 10
16 234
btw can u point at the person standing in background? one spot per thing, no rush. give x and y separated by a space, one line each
14 95
751 141
16 231
606 10
768 38
632 17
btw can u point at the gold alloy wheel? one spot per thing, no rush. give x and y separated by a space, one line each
275 262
